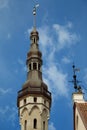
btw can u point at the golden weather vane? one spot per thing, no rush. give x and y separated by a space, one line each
34 14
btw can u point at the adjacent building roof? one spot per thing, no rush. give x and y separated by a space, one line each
82 108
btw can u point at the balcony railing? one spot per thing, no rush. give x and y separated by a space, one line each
34 90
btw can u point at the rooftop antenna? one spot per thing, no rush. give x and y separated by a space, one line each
34 14
75 81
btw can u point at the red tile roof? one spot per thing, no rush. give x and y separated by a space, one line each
82 108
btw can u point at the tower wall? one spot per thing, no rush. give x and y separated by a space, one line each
35 108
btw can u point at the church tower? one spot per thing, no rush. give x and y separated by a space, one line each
34 99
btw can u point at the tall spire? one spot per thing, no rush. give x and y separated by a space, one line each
34 99
34 65
34 56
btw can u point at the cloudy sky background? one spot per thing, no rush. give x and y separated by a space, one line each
62 27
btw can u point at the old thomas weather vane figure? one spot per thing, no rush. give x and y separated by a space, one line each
34 14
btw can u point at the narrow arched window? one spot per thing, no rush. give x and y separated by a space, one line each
35 124
29 66
34 66
45 102
24 101
43 125
34 39
25 125
38 66
35 99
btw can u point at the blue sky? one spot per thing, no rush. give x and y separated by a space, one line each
62 26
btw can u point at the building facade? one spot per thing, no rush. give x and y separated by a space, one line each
79 111
34 99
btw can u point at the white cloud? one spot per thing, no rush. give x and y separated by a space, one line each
66 60
20 61
45 34
22 64
51 126
13 116
5 73
56 80
4 113
4 91
65 37
8 36
4 4
69 25
56 37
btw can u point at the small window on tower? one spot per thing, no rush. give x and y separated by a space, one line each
34 40
45 102
35 124
43 125
29 66
38 66
25 125
35 99
24 101
34 66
